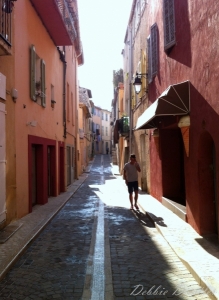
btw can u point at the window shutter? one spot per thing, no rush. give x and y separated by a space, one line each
154 50
32 73
169 24
149 59
43 84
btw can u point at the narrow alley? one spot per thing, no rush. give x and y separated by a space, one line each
97 248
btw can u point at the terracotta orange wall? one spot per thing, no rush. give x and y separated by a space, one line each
30 30
72 105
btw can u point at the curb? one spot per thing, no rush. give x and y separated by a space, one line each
35 235
207 287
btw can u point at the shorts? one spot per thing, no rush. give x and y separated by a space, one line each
132 186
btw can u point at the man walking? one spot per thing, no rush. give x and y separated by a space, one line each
131 170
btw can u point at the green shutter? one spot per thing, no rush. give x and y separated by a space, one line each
43 83
32 73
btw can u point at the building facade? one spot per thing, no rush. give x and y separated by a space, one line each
106 131
85 128
40 94
174 116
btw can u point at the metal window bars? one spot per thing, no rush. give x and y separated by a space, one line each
5 20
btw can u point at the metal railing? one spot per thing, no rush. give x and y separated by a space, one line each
6 7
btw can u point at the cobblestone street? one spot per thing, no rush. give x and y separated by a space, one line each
96 248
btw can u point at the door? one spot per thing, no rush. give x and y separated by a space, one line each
49 171
68 157
215 186
34 180
207 185
2 165
143 163
72 164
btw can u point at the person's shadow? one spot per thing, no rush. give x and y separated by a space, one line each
148 219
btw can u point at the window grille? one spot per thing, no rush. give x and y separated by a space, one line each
169 24
152 53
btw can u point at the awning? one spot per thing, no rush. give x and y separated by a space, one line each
175 100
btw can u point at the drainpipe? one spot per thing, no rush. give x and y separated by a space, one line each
62 58
64 94
130 92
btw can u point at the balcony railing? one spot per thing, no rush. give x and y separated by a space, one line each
5 20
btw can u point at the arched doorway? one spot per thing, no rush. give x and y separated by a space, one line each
207 185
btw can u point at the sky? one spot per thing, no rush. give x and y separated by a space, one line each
103 25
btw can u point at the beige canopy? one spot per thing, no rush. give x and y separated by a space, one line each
175 100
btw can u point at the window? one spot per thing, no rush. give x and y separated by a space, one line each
169 24
37 78
149 59
102 130
106 131
5 21
152 49
106 117
102 116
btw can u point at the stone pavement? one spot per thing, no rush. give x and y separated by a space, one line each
201 261
30 226
199 256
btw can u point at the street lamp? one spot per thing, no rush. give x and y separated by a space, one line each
137 81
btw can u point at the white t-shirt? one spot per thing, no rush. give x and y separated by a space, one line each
131 172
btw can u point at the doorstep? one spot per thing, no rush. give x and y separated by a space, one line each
175 207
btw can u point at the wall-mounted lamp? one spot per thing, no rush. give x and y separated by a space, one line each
137 81
14 94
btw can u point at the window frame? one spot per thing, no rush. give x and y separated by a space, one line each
169 27
37 74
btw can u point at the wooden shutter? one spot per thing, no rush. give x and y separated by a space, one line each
43 84
154 50
169 24
149 59
33 73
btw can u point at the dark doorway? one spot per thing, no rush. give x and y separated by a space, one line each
61 168
207 185
68 162
49 171
34 176
172 156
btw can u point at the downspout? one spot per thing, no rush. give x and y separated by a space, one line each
62 58
130 92
64 93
